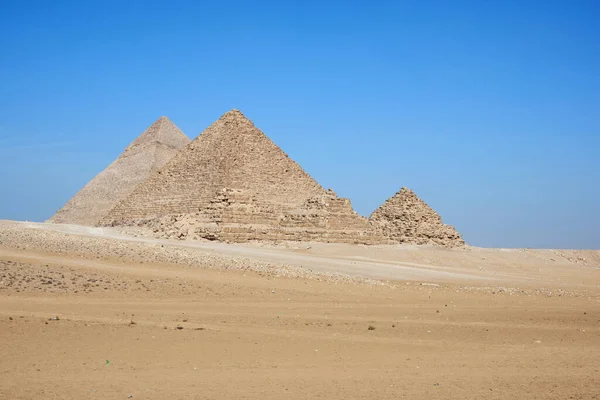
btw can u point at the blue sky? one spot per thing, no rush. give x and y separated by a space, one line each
490 111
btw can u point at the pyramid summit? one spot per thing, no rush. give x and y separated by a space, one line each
405 218
233 183
162 134
146 154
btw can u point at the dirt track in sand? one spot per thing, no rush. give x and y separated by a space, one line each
522 326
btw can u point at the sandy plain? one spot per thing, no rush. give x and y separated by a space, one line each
96 313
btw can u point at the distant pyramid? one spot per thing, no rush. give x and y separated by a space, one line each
405 218
150 151
233 183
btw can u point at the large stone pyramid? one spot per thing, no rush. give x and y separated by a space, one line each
150 151
405 218
233 183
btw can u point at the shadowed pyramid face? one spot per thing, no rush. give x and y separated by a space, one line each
147 153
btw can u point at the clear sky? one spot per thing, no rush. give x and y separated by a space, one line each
489 111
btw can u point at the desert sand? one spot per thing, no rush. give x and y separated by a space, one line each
102 314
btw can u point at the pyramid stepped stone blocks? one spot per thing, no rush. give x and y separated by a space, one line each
232 183
149 152
405 218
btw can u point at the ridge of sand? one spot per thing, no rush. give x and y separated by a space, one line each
333 261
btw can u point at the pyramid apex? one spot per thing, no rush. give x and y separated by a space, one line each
162 131
235 113
405 190
235 117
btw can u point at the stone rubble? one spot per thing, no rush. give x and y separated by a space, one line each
405 218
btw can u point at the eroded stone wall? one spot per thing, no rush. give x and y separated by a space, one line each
235 216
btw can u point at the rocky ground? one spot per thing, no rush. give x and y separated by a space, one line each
89 314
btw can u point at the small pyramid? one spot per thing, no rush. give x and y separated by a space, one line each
405 218
146 154
233 183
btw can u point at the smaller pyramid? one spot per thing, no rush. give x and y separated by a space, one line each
405 218
146 154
